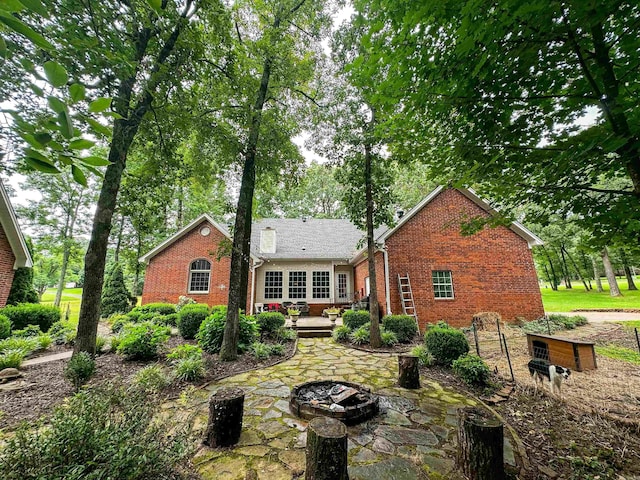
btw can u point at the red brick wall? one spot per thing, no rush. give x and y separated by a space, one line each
167 275
7 260
361 271
492 270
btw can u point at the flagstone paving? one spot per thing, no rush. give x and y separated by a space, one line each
412 438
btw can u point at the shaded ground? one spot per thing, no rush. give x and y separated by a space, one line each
414 437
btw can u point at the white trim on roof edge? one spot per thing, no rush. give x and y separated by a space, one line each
182 232
12 231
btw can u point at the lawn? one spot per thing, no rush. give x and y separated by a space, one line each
67 301
564 300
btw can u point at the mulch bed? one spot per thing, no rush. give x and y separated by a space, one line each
45 386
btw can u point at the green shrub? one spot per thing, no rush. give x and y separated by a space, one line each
355 318
388 338
277 349
26 345
152 378
260 350
28 331
115 343
472 370
284 334
79 369
115 296
404 326
44 341
185 351
170 320
22 290
118 322
580 320
424 356
11 359
446 344
61 331
31 314
555 322
147 317
341 333
106 432
157 308
190 369
5 327
269 322
212 330
142 340
361 335
190 318
101 342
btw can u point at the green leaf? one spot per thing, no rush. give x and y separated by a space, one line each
31 153
65 159
56 73
36 89
35 6
30 139
95 161
99 128
155 4
56 146
81 144
96 172
77 92
11 5
43 138
3 48
27 64
56 104
41 166
65 125
19 27
99 105
78 175
115 115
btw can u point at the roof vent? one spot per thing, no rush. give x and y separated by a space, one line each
268 240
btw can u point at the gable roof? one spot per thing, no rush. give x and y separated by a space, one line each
181 233
531 238
12 230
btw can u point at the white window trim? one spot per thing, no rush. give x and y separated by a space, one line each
306 285
264 286
453 294
191 272
328 287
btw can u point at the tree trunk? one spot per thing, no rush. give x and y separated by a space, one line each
565 270
614 290
326 450
575 267
225 418
554 277
240 253
627 270
596 275
119 241
374 312
480 445
408 372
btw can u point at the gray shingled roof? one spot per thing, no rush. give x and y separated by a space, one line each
312 238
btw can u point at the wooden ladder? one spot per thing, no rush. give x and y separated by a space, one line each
406 297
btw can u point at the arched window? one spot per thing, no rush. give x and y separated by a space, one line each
199 275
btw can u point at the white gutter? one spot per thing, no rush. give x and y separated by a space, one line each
253 285
386 278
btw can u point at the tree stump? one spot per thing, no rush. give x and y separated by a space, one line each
408 373
326 450
480 444
225 418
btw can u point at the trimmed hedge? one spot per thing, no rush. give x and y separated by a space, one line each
472 370
5 327
269 322
151 308
446 344
31 314
190 318
212 330
404 326
354 319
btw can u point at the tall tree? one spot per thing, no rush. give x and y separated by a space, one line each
614 290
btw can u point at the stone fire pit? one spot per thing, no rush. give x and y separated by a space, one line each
345 401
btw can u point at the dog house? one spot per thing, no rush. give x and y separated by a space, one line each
577 355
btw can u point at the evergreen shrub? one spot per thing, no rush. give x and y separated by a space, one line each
355 318
472 370
80 369
269 322
115 296
211 330
446 344
404 326
190 318
5 327
31 314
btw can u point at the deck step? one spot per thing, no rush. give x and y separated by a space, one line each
314 327
314 333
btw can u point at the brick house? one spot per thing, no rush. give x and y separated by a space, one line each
13 249
452 276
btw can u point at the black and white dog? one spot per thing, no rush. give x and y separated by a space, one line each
539 369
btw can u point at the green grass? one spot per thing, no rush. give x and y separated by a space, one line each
564 300
619 353
631 324
73 302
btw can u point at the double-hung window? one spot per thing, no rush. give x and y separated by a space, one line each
199 276
442 283
297 284
320 284
272 285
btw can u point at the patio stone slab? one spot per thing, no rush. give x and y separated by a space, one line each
392 468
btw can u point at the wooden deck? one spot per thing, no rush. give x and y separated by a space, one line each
308 327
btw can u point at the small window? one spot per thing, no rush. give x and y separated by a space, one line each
273 285
320 284
442 284
199 275
297 284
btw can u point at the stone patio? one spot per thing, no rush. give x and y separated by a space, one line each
412 438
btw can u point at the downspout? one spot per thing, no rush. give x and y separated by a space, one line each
386 278
259 263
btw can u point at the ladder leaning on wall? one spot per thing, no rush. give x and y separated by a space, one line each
406 297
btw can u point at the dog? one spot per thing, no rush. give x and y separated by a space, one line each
539 369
